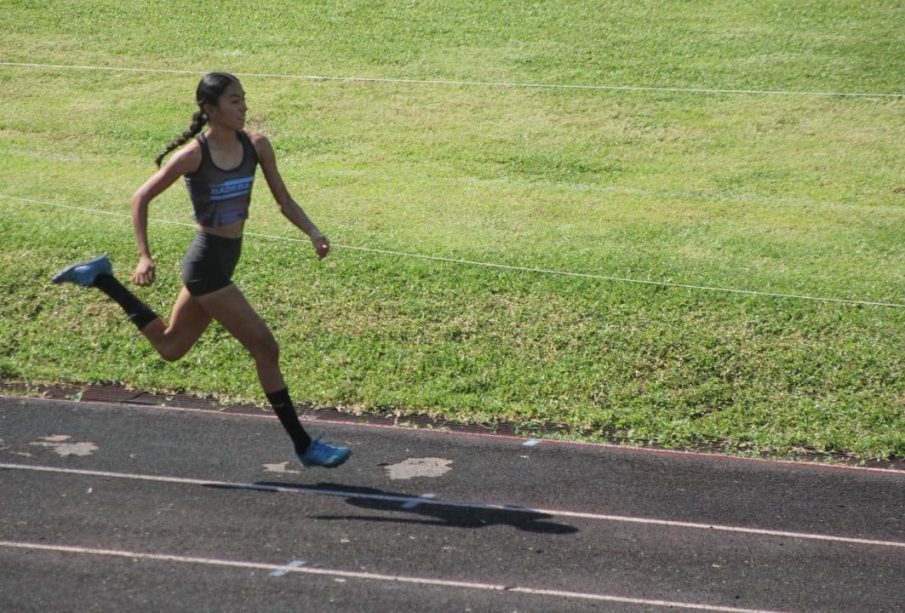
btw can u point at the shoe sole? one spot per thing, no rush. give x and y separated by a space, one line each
333 465
60 277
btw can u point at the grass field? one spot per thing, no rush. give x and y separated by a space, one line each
739 145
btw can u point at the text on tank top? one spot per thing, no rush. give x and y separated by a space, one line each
221 197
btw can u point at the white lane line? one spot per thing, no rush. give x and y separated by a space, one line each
510 267
344 574
288 568
411 504
420 500
466 83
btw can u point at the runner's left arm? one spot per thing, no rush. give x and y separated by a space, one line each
288 206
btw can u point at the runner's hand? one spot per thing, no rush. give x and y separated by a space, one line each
321 245
144 272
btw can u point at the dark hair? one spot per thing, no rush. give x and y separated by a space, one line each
209 90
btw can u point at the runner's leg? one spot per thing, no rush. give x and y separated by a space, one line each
188 321
229 307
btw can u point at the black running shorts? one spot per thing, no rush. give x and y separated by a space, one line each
209 263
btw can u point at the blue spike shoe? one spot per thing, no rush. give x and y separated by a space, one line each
323 454
84 273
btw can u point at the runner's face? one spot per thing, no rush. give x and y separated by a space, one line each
230 109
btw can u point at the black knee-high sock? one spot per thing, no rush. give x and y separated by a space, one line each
139 313
282 406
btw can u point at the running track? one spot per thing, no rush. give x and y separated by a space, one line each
107 507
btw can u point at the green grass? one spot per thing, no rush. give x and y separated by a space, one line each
788 193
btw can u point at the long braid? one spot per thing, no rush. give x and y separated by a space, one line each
199 119
209 90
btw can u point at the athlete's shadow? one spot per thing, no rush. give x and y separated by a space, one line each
439 512
394 506
445 513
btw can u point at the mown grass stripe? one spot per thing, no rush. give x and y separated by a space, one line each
456 83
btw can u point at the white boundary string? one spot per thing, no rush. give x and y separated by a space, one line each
506 267
454 83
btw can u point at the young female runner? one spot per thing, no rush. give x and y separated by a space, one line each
219 169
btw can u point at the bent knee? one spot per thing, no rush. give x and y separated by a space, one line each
171 355
171 352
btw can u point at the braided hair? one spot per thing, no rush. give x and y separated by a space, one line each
209 90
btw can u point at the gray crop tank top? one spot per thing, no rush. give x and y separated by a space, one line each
221 197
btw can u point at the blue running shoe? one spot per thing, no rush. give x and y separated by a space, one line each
324 454
84 273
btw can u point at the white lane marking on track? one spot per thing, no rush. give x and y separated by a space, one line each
811 536
55 438
281 468
288 568
343 575
58 442
411 504
413 468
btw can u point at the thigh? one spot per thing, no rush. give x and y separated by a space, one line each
188 318
188 322
233 311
